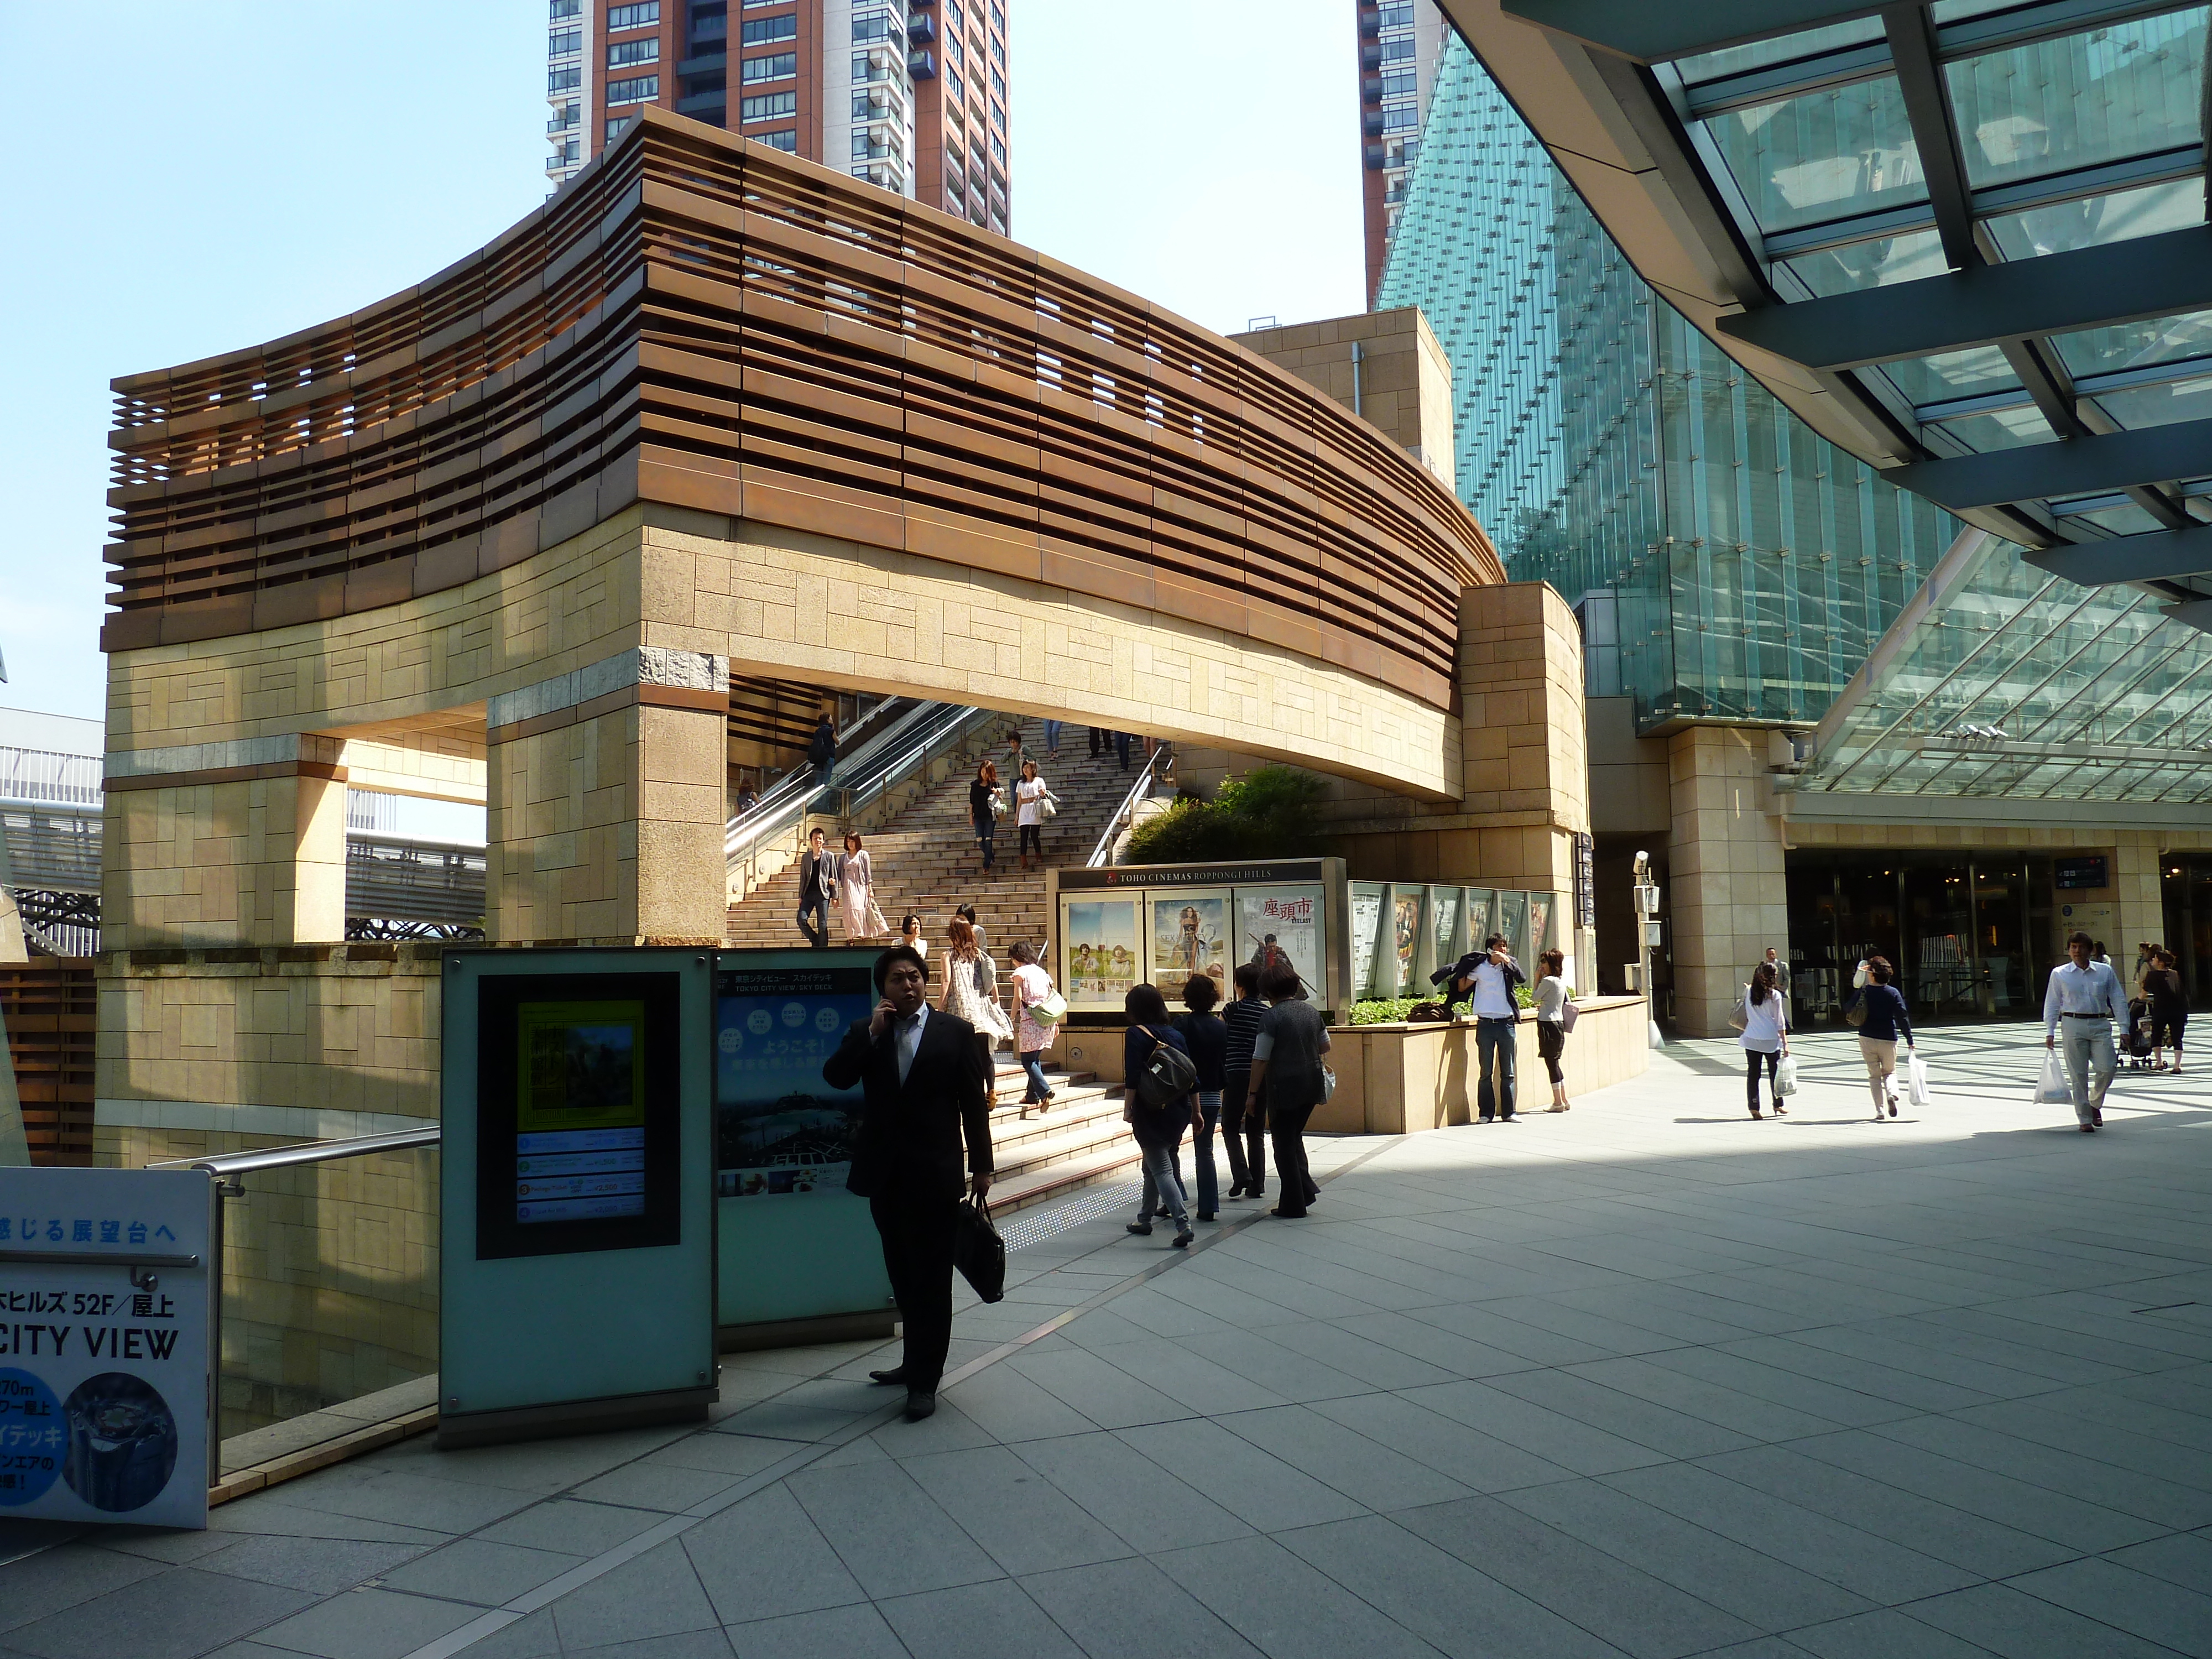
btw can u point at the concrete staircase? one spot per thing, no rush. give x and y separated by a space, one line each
926 861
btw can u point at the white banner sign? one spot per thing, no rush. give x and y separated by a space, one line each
104 1311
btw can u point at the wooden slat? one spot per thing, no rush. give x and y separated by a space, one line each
743 332
51 1006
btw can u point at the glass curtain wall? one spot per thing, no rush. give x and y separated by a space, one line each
1611 450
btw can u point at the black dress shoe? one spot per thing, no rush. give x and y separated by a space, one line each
896 1373
1181 1240
921 1403
1205 1215
1142 1229
1288 1215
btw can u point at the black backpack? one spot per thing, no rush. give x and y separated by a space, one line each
1166 1076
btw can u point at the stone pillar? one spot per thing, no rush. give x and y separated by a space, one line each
1385 366
1524 745
2136 874
1728 901
224 844
604 804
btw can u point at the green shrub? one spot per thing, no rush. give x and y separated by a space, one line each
1267 815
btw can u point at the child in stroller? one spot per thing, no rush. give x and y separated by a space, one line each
2135 1044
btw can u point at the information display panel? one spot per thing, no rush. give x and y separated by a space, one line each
106 1300
793 1241
576 1265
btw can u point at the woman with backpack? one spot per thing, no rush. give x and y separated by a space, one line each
1882 1018
1032 1036
1287 1081
1765 1025
1163 1100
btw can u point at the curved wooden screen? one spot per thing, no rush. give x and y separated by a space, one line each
707 323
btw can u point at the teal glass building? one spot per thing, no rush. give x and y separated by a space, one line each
1727 563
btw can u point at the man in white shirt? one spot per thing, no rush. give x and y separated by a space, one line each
2082 1000
1497 1027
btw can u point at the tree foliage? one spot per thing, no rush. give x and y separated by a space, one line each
1269 814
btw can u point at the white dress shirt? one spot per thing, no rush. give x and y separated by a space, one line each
1491 999
2094 991
906 1033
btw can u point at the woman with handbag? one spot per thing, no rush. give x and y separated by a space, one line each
1030 813
1162 1100
1764 1022
1552 1004
971 990
1881 1019
856 891
1289 1079
1037 1009
985 803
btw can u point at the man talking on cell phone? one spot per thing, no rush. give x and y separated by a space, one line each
924 1088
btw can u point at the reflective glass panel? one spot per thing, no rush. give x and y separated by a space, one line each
1872 264
2125 520
2137 345
2161 404
1966 373
1953 11
2092 221
2001 429
1807 160
1781 49
2080 99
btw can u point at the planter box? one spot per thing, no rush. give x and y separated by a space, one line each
1402 1078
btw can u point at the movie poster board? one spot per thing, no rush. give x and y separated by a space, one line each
1102 948
1188 934
1403 919
1367 901
1286 919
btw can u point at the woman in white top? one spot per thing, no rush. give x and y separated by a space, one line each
856 891
1766 1036
1552 1023
1032 985
1029 813
971 990
910 936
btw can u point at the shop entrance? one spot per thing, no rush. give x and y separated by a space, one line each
2187 880
1972 936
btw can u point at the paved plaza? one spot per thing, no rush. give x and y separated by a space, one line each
1646 1378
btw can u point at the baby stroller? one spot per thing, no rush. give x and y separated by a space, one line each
2135 1041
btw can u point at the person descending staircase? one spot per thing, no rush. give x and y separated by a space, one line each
926 863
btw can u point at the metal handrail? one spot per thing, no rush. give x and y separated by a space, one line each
786 801
222 1171
226 1166
1102 854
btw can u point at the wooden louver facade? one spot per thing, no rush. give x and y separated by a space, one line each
706 323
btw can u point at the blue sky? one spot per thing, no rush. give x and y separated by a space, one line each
192 176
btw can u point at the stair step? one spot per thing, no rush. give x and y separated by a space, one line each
1026 1190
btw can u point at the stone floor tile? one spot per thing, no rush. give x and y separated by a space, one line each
733 1454
266 1513
1883 1634
995 1620
1835 1405
166 1615
1675 1388
1171 1366
2184 1558
1282 1371
2139 1603
1478 1461
1615 1603
2127 1490
477 1570
410 1500
1148 1507
324 1566
1559 1438
1129 1609
571 1527
660 1487
1253 1484
1370 1473
849 1632
894 1538
1448 1604
764 1557
1104 1393
65 1576
1766 1593
365 1623
1021 1519
655 1594
1012 1407
1277 1602
2017 1625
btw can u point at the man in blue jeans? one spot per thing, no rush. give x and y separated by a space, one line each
817 880
1497 1027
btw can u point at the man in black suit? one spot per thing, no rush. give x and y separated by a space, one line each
818 884
926 1087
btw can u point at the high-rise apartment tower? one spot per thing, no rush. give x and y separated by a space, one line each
1400 43
911 94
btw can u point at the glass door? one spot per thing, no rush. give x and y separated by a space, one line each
1937 975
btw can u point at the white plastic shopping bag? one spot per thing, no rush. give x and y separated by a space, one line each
1785 1077
1917 1078
2053 1089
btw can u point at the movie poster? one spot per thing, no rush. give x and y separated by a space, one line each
780 1129
1366 926
1443 924
1540 924
1405 919
1190 936
1284 922
1100 939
